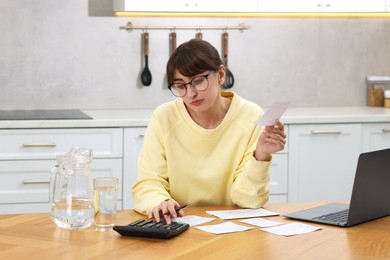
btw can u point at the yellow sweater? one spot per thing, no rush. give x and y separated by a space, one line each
197 166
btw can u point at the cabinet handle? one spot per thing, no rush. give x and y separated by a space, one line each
38 145
384 130
141 135
35 182
326 132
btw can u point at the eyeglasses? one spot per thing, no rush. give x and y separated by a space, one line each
199 83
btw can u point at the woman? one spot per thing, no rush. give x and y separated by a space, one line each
203 148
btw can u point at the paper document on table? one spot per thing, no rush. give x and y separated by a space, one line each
273 113
241 213
226 227
194 220
260 222
291 229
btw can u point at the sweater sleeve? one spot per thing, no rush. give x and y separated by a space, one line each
152 185
250 188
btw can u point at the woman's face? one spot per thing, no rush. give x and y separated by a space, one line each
202 101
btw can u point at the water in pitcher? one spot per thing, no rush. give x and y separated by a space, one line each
78 214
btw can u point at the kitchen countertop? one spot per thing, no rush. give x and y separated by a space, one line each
140 118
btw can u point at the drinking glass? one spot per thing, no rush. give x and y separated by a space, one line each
105 202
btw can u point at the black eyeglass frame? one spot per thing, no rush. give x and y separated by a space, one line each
190 83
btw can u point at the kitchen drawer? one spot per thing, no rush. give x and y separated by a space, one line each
28 181
47 143
278 174
375 136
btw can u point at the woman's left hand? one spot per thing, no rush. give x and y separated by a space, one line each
271 140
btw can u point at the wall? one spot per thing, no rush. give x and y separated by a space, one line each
69 54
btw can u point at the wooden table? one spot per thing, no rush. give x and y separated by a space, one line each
35 236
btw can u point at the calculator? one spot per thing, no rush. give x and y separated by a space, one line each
152 229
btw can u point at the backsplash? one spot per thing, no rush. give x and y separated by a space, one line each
54 55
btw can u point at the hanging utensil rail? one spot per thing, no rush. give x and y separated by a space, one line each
130 26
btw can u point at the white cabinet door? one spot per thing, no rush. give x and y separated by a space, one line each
354 6
227 6
153 6
133 140
186 6
375 136
310 6
290 6
278 174
322 161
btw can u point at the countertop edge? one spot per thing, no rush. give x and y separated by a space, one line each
140 118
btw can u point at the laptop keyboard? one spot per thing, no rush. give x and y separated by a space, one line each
339 217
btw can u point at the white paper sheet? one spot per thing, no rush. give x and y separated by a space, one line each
273 113
260 222
241 213
226 227
291 229
194 220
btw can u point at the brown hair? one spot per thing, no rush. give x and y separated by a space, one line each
192 58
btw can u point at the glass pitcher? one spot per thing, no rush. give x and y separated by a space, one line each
71 196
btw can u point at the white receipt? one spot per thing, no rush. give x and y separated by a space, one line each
226 227
291 229
260 222
273 113
241 213
194 220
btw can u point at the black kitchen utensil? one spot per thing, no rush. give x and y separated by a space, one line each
229 81
146 76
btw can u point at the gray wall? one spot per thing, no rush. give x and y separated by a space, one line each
71 54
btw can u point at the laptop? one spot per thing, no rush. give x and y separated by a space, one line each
369 199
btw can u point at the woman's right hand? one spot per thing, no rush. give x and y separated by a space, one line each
166 210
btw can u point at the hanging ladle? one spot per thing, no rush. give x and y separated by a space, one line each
229 81
146 76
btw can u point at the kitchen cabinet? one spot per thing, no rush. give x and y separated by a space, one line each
318 6
279 175
132 143
322 161
354 6
375 136
228 6
288 6
27 157
253 6
26 189
278 178
200 6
